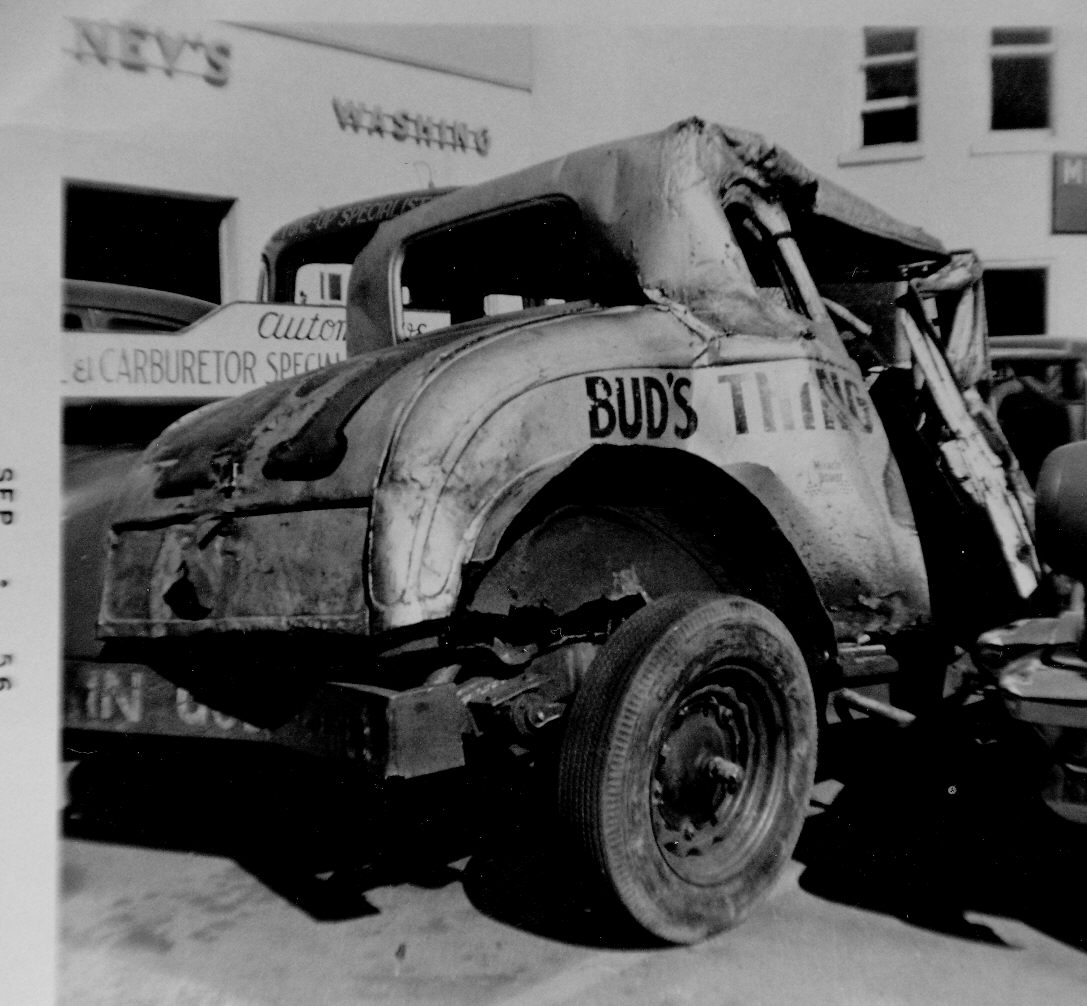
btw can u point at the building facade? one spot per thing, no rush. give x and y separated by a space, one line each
186 145
973 130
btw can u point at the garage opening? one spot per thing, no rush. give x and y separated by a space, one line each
140 237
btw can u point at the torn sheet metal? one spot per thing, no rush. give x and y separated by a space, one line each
959 308
970 458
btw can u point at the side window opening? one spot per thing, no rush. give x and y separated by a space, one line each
764 260
865 316
530 256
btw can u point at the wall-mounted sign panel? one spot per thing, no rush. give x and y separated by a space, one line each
495 53
236 348
423 129
137 47
1070 193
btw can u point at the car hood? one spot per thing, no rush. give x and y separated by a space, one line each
282 446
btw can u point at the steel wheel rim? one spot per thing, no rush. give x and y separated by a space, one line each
716 777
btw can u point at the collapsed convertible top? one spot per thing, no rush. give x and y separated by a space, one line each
655 203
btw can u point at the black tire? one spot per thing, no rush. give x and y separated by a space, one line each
688 761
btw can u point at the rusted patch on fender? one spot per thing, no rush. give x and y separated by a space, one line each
873 614
239 572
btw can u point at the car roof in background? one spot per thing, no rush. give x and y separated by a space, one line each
117 297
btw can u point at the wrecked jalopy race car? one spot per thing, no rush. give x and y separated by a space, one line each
643 500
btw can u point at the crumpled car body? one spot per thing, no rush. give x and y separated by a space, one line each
637 455
704 337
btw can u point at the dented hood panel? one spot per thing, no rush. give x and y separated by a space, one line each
281 446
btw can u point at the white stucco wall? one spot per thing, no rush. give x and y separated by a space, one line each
269 137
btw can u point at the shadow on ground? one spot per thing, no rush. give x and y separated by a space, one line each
314 835
320 840
933 822
941 820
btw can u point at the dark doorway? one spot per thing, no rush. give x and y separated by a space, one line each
1015 301
158 240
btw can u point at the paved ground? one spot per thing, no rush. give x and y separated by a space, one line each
924 875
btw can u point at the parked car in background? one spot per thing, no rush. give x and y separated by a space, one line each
308 260
101 437
90 306
1038 394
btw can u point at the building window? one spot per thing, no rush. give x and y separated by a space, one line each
890 110
158 240
1022 68
1015 301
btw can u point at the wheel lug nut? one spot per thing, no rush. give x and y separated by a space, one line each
727 771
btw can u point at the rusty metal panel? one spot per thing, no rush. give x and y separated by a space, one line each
239 572
426 730
969 457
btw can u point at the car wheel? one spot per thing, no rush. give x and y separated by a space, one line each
688 760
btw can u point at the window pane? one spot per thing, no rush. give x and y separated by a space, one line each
885 41
1021 36
890 80
321 282
897 125
1021 92
1015 301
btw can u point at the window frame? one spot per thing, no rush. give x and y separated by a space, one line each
1011 51
788 263
396 284
876 105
